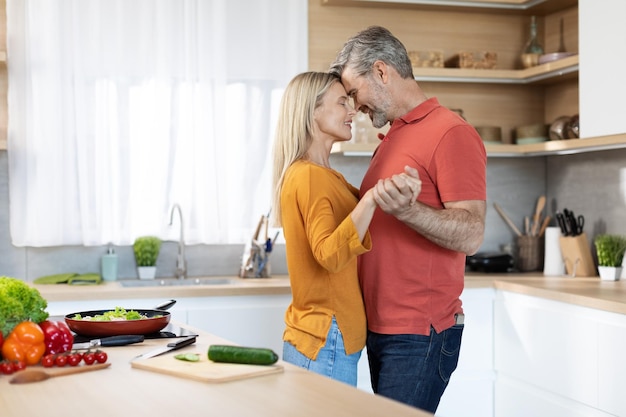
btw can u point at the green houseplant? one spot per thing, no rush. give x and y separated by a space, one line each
610 250
146 249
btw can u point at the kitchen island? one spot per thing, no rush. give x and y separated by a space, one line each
500 372
122 390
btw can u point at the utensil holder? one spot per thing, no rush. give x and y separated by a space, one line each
577 258
529 253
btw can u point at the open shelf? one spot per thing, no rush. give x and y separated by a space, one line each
556 147
539 7
563 68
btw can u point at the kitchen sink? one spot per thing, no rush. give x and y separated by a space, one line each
174 282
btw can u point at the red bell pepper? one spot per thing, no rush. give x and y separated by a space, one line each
24 343
58 337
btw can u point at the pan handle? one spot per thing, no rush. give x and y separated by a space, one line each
166 305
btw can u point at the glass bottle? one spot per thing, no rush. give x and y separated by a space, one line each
533 49
533 46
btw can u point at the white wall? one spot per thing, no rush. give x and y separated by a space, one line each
602 46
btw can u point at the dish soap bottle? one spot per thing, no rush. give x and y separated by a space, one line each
533 49
109 265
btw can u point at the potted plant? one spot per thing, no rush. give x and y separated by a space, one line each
610 250
146 249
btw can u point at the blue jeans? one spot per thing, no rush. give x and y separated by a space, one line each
331 361
414 369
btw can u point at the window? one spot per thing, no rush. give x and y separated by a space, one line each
118 110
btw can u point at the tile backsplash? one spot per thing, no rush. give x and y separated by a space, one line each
592 184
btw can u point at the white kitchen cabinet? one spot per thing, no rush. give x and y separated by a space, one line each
471 389
256 321
612 366
602 33
557 359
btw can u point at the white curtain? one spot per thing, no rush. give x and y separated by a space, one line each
119 109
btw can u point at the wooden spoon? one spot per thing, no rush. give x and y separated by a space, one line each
541 202
506 219
36 375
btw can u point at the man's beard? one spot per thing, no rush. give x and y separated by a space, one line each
378 115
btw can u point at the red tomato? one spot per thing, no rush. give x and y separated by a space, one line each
6 368
89 358
74 359
47 361
101 356
19 365
60 360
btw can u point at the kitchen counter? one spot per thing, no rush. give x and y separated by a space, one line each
582 291
587 292
123 390
115 290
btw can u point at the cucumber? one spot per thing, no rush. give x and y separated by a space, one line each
240 354
188 357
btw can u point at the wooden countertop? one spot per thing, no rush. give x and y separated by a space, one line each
115 290
583 291
122 390
586 292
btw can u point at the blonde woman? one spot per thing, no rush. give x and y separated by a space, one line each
325 227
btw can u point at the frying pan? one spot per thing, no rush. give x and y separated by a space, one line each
156 321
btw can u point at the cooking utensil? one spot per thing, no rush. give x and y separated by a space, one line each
541 202
168 348
155 321
36 375
544 225
560 219
575 224
507 220
122 340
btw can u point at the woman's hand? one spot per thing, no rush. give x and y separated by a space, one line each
398 192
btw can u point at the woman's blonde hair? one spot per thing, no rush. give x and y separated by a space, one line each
294 129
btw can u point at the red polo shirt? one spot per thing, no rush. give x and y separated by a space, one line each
410 283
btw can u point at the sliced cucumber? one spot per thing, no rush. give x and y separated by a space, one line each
189 357
240 354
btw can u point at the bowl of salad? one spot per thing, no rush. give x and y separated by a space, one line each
119 321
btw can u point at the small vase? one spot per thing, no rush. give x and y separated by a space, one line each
146 272
610 273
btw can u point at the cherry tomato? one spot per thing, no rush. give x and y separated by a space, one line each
6 368
74 359
19 365
89 358
47 361
60 360
101 356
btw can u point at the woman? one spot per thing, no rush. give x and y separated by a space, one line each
325 228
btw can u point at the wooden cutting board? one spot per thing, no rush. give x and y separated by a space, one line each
204 370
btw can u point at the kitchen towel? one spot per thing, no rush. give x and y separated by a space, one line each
553 260
70 278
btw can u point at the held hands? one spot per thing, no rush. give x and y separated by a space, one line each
399 192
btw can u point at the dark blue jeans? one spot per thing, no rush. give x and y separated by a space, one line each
414 369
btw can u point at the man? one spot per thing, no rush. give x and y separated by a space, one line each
414 274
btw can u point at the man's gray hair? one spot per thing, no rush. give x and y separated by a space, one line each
368 46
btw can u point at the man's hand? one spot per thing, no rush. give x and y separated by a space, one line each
399 192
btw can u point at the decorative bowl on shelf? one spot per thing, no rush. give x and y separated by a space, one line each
555 56
527 141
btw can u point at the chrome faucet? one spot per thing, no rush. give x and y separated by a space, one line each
181 262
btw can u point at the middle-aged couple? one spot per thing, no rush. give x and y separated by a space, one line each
382 266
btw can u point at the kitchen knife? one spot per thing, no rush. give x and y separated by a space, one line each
121 340
189 340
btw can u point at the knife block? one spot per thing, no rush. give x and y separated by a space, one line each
577 256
